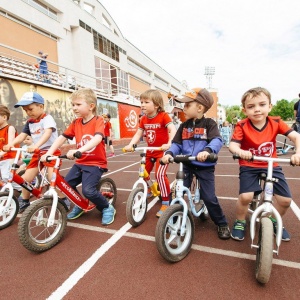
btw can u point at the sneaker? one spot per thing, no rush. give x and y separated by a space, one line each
67 202
165 205
285 235
149 193
108 215
238 230
23 204
75 213
111 155
223 232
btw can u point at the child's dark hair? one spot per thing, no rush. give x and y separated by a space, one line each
156 97
4 111
254 93
88 95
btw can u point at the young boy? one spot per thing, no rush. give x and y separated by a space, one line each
7 134
108 134
256 135
160 131
42 128
88 130
199 136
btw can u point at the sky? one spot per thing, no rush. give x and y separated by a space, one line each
249 43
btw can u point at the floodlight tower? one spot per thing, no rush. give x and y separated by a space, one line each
209 72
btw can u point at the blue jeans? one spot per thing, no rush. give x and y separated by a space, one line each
89 176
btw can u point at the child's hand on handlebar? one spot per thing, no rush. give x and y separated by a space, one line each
128 148
165 147
7 147
165 158
243 154
70 154
202 156
295 159
32 148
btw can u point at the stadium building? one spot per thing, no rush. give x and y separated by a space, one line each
83 47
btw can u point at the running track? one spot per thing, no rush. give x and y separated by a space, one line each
120 262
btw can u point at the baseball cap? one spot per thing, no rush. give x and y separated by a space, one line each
199 95
29 98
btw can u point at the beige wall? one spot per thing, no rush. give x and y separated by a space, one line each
27 40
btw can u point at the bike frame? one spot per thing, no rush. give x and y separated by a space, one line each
58 181
14 177
142 170
180 190
266 208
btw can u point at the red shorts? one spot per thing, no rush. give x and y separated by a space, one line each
34 162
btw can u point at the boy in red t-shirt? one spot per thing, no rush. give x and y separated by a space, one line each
160 131
256 135
88 130
108 134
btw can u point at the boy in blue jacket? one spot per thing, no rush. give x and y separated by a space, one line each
199 136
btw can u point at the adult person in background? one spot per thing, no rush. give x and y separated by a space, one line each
296 125
9 99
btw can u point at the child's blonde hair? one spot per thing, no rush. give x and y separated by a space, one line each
156 97
254 93
4 111
88 95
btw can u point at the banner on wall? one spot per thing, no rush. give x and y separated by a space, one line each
129 120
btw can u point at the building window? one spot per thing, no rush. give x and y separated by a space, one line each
138 66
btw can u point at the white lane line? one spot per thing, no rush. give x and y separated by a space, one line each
280 262
61 291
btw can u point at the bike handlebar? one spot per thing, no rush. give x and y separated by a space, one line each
186 158
77 154
136 148
265 158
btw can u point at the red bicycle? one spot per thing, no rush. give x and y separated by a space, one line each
9 204
43 223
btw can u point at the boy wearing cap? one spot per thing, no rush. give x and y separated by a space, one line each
42 128
199 136
108 134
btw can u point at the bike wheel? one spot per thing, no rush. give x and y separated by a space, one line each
33 232
170 244
136 208
107 187
264 255
36 182
7 215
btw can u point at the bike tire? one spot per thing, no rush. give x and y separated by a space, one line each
264 255
170 244
136 208
37 237
8 216
107 187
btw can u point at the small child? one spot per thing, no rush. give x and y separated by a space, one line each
256 135
199 136
42 128
7 134
160 131
225 133
108 134
88 130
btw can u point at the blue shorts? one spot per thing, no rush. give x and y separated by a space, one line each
249 181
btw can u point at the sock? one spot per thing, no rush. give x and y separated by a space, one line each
241 221
165 202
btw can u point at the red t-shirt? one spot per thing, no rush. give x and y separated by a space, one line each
83 133
4 141
156 131
107 127
261 142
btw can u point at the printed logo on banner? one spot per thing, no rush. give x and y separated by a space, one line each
131 120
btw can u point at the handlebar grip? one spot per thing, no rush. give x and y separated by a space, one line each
77 154
213 157
171 160
235 156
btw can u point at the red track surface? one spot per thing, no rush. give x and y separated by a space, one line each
132 268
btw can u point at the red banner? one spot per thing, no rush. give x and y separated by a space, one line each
129 120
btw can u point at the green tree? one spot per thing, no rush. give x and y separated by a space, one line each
232 113
284 109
